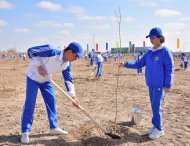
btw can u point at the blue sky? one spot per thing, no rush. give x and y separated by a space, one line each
27 23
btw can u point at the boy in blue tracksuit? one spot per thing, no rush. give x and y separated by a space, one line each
159 76
98 59
45 60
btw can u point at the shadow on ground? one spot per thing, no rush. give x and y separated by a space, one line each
45 139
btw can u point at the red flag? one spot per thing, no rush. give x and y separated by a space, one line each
96 46
144 44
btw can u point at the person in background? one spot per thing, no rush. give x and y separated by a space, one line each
24 56
159 75
4 56
98 59
86 56
116 56
46 60
105 56
186 61
140 55
134 55
90 56
182 60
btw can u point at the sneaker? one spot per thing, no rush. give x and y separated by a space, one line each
25 137
58 131
149 131
156 133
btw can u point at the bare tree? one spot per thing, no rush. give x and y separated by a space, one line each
3 76
118 18
94 41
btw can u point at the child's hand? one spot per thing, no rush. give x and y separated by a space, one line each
121 64
167 90
76 103
41 71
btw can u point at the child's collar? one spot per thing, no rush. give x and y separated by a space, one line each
153 50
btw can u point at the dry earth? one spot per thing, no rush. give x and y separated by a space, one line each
99 99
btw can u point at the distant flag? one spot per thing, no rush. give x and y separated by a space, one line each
87 48
144 44
129 44
178 43
117 44
106 46
96 46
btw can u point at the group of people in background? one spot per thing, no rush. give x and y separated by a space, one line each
12 56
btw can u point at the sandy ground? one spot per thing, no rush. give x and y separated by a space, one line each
99 99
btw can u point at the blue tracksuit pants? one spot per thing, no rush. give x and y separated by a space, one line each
48 94
139 70
157 99
99 69
185 65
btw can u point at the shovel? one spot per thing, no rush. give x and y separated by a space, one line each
86 113
89 77
92 73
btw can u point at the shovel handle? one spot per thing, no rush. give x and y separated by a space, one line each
80 107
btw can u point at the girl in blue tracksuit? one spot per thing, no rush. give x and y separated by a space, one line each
159 76
98 59
45 60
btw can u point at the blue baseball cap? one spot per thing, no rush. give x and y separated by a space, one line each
154 32
76 47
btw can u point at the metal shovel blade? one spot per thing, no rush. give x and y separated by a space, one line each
114 136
